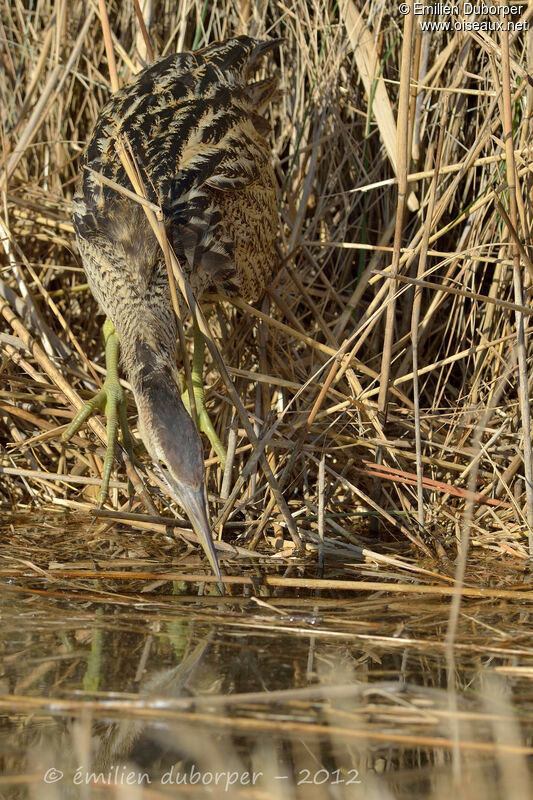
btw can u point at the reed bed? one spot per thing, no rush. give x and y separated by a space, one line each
386 375
386 372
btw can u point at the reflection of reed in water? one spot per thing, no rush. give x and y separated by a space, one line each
206 744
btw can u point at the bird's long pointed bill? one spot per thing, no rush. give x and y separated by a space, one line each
260 51
193 502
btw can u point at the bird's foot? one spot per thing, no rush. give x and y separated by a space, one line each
111 400
204 420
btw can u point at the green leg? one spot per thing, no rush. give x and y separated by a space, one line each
111 400
205 424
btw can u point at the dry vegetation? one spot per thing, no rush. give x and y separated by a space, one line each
386 375
393 345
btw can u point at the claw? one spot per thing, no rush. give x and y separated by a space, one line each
111 399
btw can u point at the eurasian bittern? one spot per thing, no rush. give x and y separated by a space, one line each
193 126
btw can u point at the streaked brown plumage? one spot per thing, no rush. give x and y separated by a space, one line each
193 124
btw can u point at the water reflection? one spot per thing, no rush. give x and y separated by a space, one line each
114 692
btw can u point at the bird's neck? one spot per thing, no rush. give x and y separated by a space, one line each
165 426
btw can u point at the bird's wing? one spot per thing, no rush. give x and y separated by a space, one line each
209 164
193 128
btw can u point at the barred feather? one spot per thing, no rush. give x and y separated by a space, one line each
193 124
